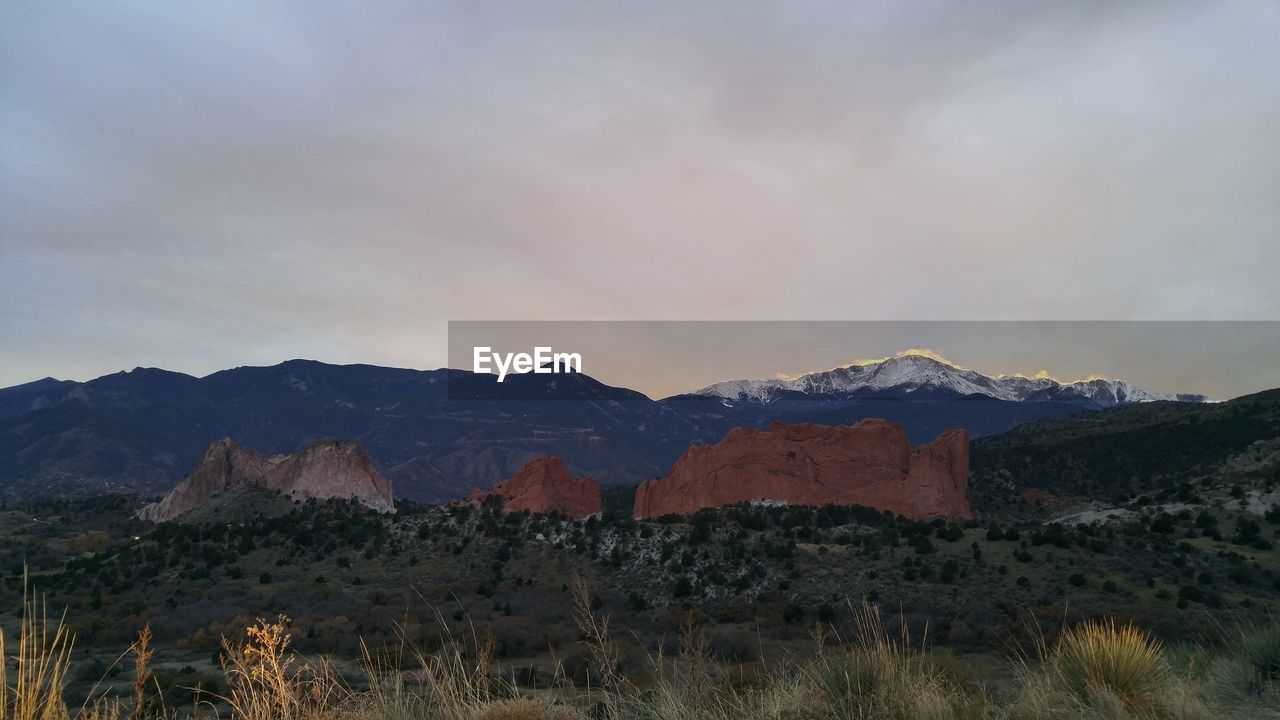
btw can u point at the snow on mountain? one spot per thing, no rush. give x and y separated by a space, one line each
908 373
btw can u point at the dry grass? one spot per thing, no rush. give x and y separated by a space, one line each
876 674
1097 670
1101 671
594 629
869 674
454 682
141 672
1120 663
456 679
40 667
526 710
267 682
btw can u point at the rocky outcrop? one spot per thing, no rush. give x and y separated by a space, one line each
325 470
544 485
870 463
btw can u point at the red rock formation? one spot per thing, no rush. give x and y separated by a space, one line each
544 485
870 463
327 469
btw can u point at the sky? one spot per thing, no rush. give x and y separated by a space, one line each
198 186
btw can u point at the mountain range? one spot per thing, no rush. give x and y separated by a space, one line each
907 374
436 433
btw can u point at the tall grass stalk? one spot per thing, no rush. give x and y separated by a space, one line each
594 629
40 665
873 673
266 681
141 671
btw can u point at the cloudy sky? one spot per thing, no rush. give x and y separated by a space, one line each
204 185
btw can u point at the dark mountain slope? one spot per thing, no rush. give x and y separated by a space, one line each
433 433
68 449
24 398
1116 454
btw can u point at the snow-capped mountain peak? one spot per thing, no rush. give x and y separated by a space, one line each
911 372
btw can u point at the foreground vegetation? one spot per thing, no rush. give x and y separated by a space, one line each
754 582
342 572
1094 669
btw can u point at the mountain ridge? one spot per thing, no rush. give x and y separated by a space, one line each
908 373
433 433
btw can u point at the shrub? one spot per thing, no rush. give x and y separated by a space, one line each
636 602
1260 647
683 587
1123 661
951 533
792 613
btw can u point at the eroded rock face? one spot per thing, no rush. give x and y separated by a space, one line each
327 469
870 463
545 485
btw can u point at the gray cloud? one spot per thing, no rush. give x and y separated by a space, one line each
234 183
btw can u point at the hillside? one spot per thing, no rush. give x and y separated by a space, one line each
757 579
1159 450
